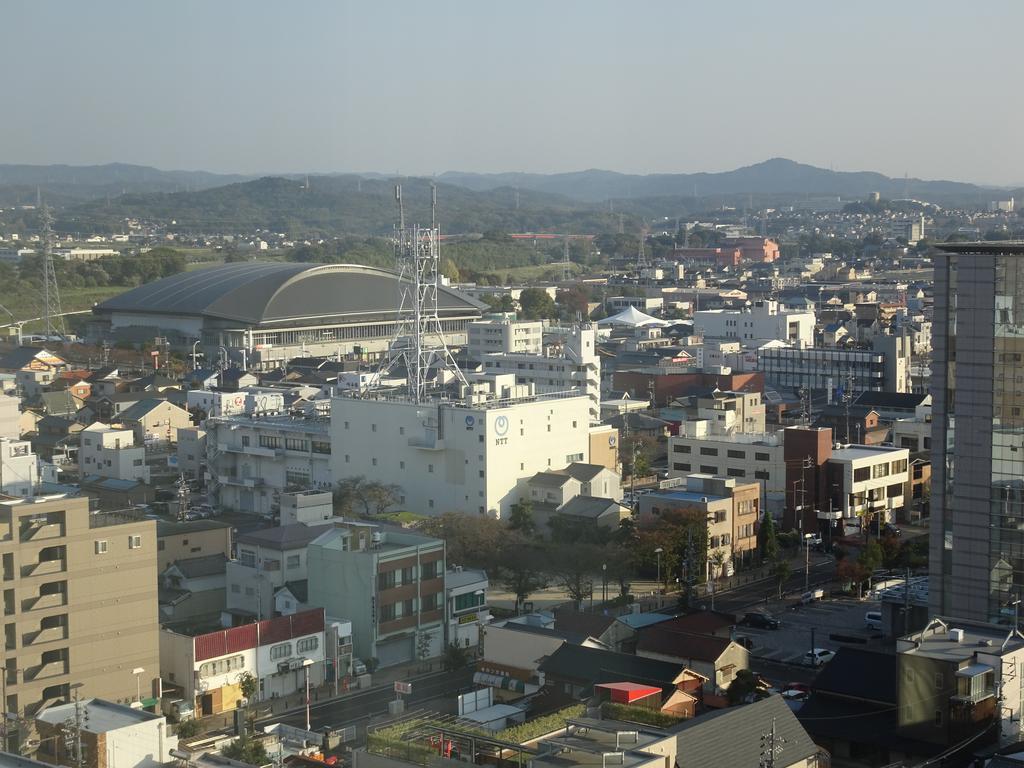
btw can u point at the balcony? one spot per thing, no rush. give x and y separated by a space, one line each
251 450
42 531
44 568
47 669
43 602
45 635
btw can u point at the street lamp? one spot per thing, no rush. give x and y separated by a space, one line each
658 552
604 582
306 664
138 684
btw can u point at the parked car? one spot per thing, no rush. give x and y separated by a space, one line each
760 620
814 541
358 668
804 687
889 529
795 696
873 620
818 656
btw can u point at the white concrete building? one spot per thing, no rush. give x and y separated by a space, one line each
110 452
10 417
503 333
19 468
761 320
112 735
873 479
466 601
572 363
460 455
191 451
751 457
251 461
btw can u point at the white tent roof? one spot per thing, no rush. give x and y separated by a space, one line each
632 316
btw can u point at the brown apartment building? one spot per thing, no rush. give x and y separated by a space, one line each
79 603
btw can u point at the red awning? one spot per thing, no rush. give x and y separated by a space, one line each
627 693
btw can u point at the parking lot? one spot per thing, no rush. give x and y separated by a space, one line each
807 625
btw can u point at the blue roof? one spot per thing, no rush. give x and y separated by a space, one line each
685 496
639 620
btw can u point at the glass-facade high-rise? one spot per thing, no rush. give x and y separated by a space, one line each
977 526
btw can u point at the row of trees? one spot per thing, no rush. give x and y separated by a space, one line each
124 270
359 496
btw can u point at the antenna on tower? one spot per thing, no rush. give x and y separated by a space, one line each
53 318
433 205
418 338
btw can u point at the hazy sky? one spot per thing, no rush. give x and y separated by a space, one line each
929 88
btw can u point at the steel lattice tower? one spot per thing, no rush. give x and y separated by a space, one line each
53 318
417 259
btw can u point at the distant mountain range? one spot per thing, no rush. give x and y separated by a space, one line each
65 184
774 177
101 197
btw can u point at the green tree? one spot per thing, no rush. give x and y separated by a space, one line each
742 685
500 303
781 570
768 538
871 556
521 518
247 750
455 657
186 729
537 304
249 685
519 565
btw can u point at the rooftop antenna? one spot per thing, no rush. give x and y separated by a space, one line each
53 318
418 338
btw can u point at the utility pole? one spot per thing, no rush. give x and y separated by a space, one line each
771 747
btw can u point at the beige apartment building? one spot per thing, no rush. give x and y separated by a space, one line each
79 603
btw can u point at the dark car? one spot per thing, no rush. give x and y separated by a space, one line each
760 621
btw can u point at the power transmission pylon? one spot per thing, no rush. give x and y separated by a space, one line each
53 318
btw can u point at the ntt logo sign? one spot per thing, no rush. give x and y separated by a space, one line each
501 429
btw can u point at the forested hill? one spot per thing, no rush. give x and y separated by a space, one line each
340 204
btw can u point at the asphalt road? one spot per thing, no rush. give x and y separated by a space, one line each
374 701
754 594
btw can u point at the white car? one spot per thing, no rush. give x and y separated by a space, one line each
818 656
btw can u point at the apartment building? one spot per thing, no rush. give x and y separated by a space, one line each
761 320
391 581
465 454
206 669
251 461
80 600
746 457
19 468
192 451
111 452
730 508
571 364
504 334
268 561
873 479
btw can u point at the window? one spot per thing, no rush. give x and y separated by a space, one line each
429 602
245 441
880 470
708 451
280 651
250 591
321 446
236 589
221 666
938 718
680 466
939 681
407 575
296 477
294 444
387 612
386 580
894 490
681 448
736 472
101 546
467 601
899 466
270 441
408 607
861 474
732 454
247 557
761 457
573 457
429 570
307 644
160 545
293 561
135 542
708 470
761 474
137 463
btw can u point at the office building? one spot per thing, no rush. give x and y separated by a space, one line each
252 461
977 503
391 581
503 333
466 610
466 454
80 603
885 367
760 320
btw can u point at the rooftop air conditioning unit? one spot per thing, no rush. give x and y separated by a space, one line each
956 635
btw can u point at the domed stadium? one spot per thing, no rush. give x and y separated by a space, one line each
274 311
